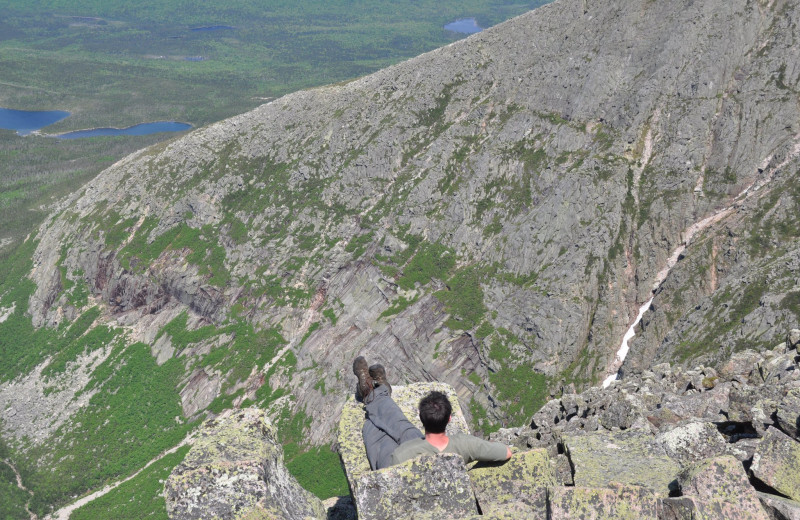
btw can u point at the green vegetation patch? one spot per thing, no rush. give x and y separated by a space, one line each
723 320
399 305
140 497
12 498
317 469
320 471
134 415
463 298
358 244
76 341
433 260
521 389
205 253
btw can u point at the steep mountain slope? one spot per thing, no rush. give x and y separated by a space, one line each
490 214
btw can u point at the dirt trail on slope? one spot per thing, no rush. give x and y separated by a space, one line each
66 511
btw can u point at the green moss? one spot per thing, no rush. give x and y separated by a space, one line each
319 471
314 326
328 313
463 298
74 342
358 244
126 423
432 261
521 390
399 305
485 330
205 252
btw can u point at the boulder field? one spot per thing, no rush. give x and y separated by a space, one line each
664 444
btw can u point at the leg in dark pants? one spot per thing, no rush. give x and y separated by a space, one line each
385 429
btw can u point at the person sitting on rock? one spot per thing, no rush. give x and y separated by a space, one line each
390 438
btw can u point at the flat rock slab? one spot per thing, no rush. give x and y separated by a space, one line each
777 463
351 442
719 488
517 486
619 502
432 486
235 470
633 458
693 442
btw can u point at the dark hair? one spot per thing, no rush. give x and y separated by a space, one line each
434 412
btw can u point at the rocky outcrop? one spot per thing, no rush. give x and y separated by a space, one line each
611 453
685 443
235 470
776 461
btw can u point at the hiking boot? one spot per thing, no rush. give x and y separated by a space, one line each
365 385
378 374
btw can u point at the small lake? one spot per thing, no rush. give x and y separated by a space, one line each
141 129
213 28
28 121
464 26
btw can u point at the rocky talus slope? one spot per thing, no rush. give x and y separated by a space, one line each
670 444
490 215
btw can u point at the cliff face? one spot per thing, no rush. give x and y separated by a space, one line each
490 214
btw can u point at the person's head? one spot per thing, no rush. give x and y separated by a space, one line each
434 412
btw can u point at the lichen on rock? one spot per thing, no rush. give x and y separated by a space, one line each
518 485
235 471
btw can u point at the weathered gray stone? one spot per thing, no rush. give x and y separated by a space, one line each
718 488
632 458
779 508
793 339
693 442
776 463
428 487
617 502
753 404
351 441
235 470
340 508
788 413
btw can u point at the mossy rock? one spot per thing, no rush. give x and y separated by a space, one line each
617 502
718 488
630 457
372 490
235 470
431 486
517 486
776 462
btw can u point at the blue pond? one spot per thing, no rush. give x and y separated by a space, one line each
141 129
464 26
213 28
27 121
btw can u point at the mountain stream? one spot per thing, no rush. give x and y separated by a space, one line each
688 235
